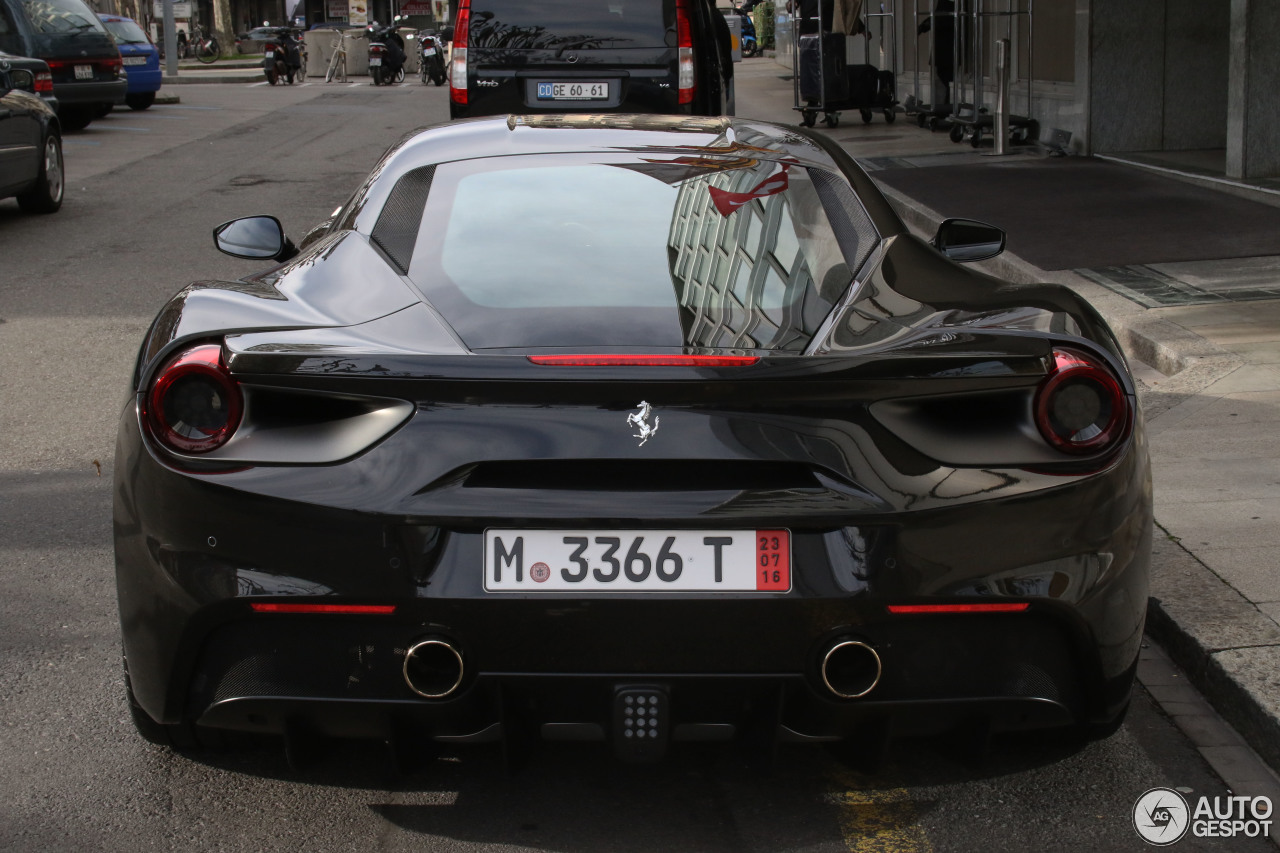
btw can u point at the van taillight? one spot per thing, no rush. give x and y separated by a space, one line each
458 61
688 79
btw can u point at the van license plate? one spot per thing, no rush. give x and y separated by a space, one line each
573 91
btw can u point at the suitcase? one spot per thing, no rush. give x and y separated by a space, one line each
834 76
864 80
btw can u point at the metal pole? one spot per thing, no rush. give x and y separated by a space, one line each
170 40
1001 129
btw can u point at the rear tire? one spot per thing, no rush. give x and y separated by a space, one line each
272 76
376 74
209 53
180 737
75 118
438 79
46 195
399 78
140 100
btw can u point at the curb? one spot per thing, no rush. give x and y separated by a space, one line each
1229 649
226 77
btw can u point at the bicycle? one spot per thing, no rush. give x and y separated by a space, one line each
205 47
338 61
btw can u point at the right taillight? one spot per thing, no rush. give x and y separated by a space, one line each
458 58
688 78
1081 407
194 404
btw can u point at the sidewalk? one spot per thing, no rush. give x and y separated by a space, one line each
1204 336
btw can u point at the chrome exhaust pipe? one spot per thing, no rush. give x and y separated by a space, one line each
850 669
433 668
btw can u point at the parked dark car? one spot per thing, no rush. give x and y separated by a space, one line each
82 56
30 138
631 56
141 60
712 449
255 40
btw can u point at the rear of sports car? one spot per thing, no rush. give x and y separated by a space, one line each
660 449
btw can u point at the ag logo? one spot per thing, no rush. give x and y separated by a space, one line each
1161 816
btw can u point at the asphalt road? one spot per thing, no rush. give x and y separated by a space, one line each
76 292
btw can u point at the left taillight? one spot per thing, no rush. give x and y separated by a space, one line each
688 78
1081 407
44 82
194 404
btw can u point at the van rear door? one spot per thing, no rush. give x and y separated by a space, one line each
567 55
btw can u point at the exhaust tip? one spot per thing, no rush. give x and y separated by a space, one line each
850 669
433 668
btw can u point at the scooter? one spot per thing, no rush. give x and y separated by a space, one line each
750 47
386 54
280 57
431 64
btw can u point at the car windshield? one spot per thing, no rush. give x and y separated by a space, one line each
571 24
62 16
127 32
680 252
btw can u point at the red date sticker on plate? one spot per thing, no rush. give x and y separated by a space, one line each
773 560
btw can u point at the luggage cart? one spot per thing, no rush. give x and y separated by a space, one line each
973 120
824 83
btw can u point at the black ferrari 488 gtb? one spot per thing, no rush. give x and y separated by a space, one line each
628 429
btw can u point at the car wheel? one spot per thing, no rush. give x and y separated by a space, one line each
140 100
182 737
75 118
46 195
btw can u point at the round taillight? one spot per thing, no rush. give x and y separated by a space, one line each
1081 407
194 404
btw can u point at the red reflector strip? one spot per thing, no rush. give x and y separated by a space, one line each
645 360
1003 607
361 609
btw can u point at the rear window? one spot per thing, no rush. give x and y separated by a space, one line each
55 17
126 32
571 24
550 251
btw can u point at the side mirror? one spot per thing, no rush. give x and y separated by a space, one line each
965 240
21 78
257 238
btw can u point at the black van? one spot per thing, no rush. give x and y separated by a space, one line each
633 56
83 58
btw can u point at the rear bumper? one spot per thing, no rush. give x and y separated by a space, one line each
142 80
74 94
193 553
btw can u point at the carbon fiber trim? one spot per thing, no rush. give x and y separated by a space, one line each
849 220
397 229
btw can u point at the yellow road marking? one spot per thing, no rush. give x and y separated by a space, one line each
878 820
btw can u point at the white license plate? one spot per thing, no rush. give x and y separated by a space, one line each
268 54
375 61
84 72
135 60
573 91
603 561
431 51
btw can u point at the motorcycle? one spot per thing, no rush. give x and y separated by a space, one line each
431 59
386 54
750 47
281 58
